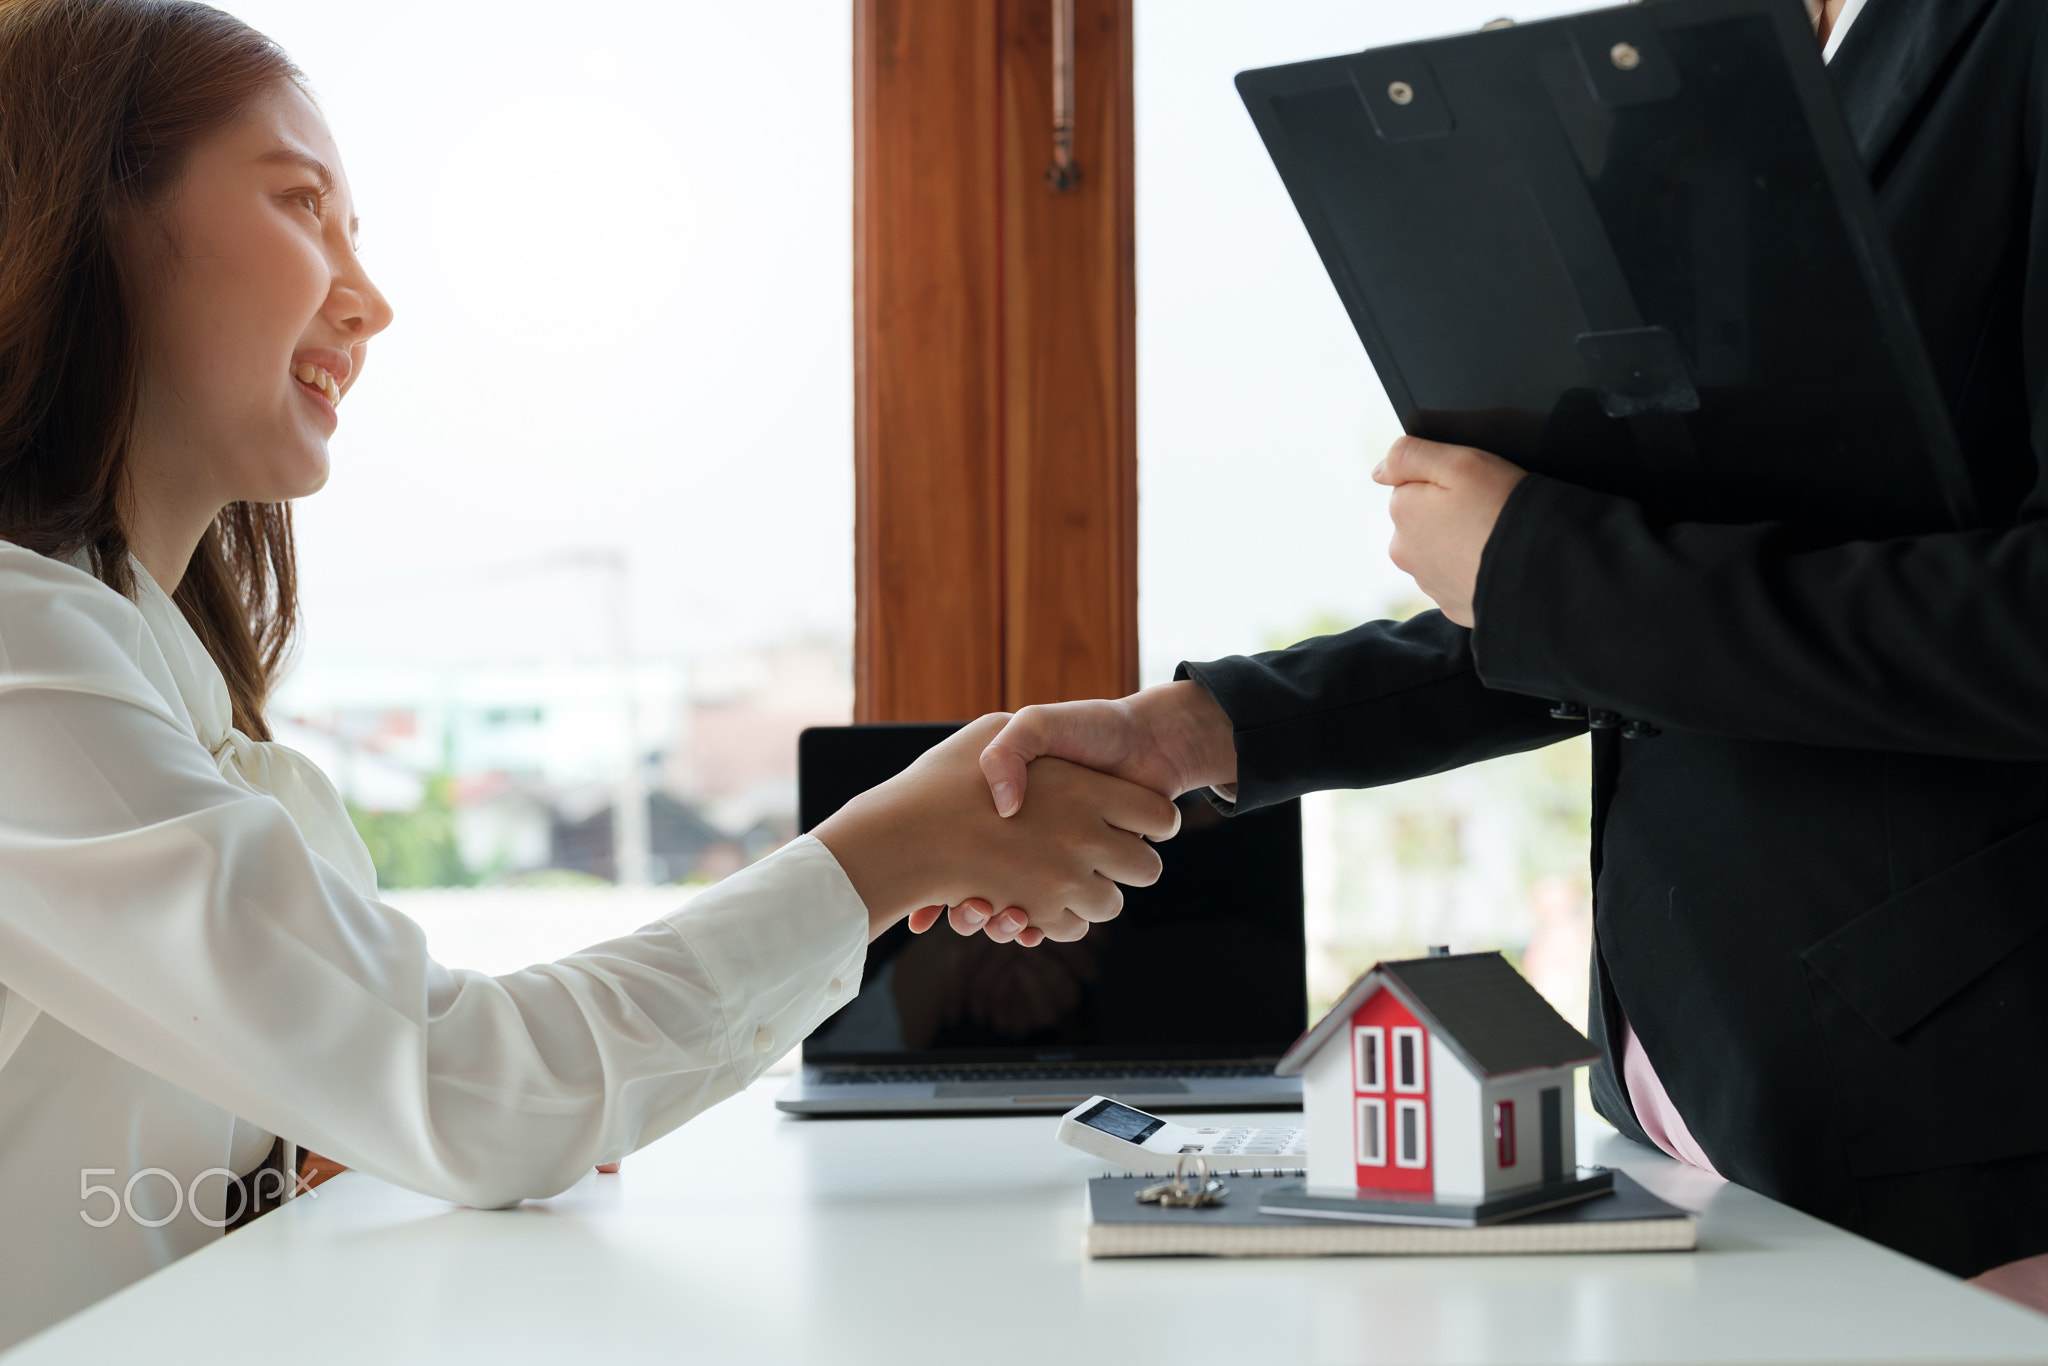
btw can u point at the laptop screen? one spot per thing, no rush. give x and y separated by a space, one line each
1208 964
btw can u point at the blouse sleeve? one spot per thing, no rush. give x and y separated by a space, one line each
184 924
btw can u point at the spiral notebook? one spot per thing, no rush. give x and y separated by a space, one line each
1629 1220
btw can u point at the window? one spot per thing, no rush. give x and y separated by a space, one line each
1372 1133
1246 361
1504 1133
607 599
1411 1139
1407 1059
1368 1047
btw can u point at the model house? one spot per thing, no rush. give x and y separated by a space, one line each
1448 1075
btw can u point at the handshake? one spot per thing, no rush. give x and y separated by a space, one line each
1020 827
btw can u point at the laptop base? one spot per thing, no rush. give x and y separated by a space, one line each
832 1091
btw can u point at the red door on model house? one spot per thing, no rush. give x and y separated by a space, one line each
1390 1095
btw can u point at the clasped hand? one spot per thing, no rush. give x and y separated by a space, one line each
931 838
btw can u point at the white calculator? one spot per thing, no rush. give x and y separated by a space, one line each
1147 1144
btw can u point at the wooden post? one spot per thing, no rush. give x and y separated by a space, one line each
995 406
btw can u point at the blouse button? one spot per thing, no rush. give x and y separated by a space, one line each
834 987
764 1039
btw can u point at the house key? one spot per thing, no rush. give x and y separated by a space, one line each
1178 1194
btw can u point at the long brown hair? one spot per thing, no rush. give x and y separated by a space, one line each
99 102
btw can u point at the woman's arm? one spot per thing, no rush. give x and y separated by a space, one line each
183 923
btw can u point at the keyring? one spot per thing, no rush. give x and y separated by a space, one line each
1178 1194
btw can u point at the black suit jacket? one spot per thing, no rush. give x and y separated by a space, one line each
1820 891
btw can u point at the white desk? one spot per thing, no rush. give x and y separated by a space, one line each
749 1237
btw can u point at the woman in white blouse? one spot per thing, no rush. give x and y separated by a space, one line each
194 966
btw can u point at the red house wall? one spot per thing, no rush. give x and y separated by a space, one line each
1384 1009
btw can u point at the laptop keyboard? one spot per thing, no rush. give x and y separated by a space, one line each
833 1076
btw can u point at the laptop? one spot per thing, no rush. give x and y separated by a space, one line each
1184 1001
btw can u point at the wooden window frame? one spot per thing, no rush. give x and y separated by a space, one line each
995 414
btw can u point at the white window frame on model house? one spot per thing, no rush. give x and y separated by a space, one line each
1369 1058
1372 1125
1413 1035
1420 1110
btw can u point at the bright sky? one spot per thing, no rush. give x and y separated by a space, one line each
1259 417
618 241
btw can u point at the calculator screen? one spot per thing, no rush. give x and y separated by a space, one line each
1133 1126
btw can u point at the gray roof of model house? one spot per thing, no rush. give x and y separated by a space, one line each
1483 1010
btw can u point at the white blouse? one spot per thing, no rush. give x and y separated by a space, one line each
193 958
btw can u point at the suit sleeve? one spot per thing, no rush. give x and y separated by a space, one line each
1387 701
1932 644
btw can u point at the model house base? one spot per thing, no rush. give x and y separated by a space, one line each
1398 1207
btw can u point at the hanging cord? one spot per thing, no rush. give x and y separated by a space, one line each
1063 175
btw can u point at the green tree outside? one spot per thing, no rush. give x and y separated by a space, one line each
417 848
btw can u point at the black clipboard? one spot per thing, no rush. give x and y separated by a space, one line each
1634 249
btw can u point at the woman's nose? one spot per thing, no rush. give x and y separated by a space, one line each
363 309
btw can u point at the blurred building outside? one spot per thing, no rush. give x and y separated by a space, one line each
500 775
486 792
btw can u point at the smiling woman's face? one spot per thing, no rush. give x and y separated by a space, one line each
253 314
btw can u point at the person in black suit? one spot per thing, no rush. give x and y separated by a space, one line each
1820 818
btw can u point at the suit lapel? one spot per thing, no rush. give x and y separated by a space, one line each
1892 61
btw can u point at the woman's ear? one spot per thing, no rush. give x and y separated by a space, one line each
142 246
